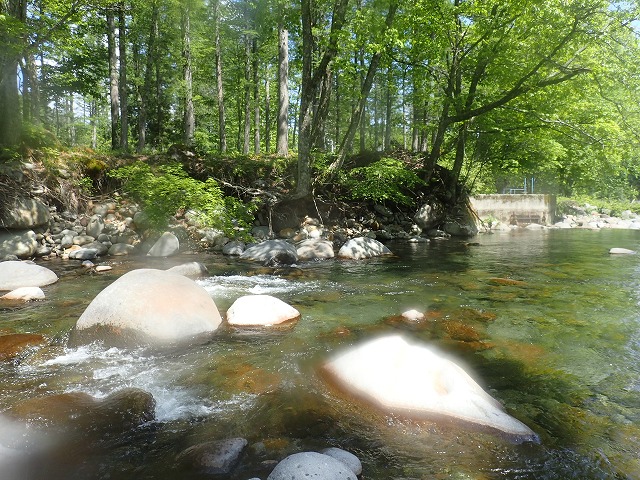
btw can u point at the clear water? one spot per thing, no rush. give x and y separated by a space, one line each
547 322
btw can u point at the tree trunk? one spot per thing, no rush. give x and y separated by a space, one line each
148 78
113 80
282 140
189 113
256 97
124 98
222 135
388 122
267 117
310 84
247 95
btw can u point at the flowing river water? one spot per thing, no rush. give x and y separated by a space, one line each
546 321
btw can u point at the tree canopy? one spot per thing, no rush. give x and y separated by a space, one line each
494 92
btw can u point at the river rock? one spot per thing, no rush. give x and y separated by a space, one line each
260 311
120 249
315 249
95 226
413 315
14 344
348 458
148 306
621 251
190 269
305 465
24 214
119 412
272 252
363 247
99 247
20 244
214 458
15 274
416 381
83 254
235 248
24 294
167 245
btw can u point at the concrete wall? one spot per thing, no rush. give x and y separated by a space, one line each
516 209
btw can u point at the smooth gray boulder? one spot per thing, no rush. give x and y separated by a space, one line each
272 252
148 306
190 269
95 226
260 311
306 465
22 244
167 245
348 458
120 249
410 379
83 254
234 247
25 213
16 274
363 247
315 249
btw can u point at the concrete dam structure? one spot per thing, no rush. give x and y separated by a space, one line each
516 209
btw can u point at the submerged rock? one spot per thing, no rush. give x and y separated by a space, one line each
413 380
305 465
15 274
14 344
218 457
363 247
260 310
148 306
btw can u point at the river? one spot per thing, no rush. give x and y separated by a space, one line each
546 321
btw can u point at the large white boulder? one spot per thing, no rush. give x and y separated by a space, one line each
24 294
149 306
260 311
363 247
414 380
25 213
16 274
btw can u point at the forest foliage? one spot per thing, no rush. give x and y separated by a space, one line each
493 92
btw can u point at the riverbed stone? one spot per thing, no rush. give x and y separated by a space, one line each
83 254
121 411
190 269
120 249
22 244
15 274
260 311
360 248
218 457
314 249
12 345
25 213
81 240
348 458
272 251
95 226
234 248
167 245
413 380
305 465
24 294
148 306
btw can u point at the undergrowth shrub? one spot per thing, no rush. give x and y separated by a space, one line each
167 189
387 180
